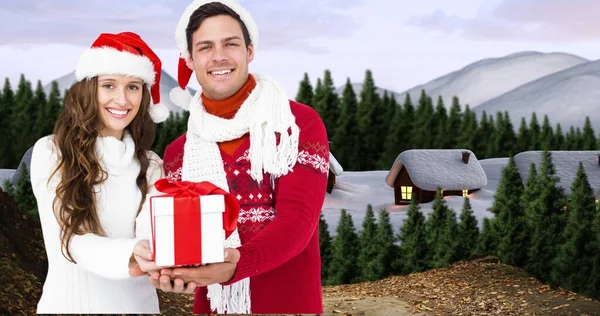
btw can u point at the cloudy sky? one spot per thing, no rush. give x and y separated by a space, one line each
404 43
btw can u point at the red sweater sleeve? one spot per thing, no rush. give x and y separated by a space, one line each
299 197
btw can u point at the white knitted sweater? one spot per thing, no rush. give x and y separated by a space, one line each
100 281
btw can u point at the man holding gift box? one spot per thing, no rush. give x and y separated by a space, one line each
246 137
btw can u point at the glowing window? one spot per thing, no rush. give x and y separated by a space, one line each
406 192
465 193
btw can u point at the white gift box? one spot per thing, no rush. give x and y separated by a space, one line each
181 237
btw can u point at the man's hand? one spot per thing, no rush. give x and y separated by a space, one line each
208 274
164 283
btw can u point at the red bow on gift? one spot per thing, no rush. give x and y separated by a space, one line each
196 189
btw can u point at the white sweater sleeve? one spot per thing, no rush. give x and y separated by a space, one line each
154 173
104 256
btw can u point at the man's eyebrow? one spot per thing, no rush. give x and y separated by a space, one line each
203 42
227 39
230 38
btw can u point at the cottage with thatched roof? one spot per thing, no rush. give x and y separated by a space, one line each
566 164
335 170
421 171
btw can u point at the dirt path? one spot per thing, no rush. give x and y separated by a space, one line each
367 306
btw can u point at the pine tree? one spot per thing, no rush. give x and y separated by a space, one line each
450 251
381 127
531 192
510 217
547 135
468 233
594 282
437 224
324 247
327 104
559 138
346 143
343 267
442 139
368 248
386 114
483 135
40 105
455 118
319 92
523 137
575 262
23 124
305 93
570 140
367 110
408 116
9 188
392 107
548 214
55 104
468 130
589 138
578 139
424 122
506 139
386 250
413 241
534 133
24 192
396 140
7 104
495 147
489 238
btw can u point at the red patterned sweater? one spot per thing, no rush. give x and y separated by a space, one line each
278 225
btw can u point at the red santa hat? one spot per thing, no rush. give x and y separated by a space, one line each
180 96
125 54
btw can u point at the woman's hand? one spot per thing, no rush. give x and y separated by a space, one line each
144 259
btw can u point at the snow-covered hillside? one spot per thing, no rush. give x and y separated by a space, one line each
166 84
566 97
489 78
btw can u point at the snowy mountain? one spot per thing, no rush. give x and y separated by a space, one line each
166 84
566 97
489 78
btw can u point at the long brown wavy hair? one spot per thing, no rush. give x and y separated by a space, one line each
75 134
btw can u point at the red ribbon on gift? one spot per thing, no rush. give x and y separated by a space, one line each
187 214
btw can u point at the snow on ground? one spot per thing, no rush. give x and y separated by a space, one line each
354 190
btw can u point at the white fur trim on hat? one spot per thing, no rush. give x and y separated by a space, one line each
159 112
232 4
180 97
109 61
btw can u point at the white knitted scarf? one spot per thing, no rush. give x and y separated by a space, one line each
265 113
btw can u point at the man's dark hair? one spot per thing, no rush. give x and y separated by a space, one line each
209 10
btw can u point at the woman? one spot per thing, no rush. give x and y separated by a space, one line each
92 180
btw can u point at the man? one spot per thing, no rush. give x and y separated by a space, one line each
246 137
